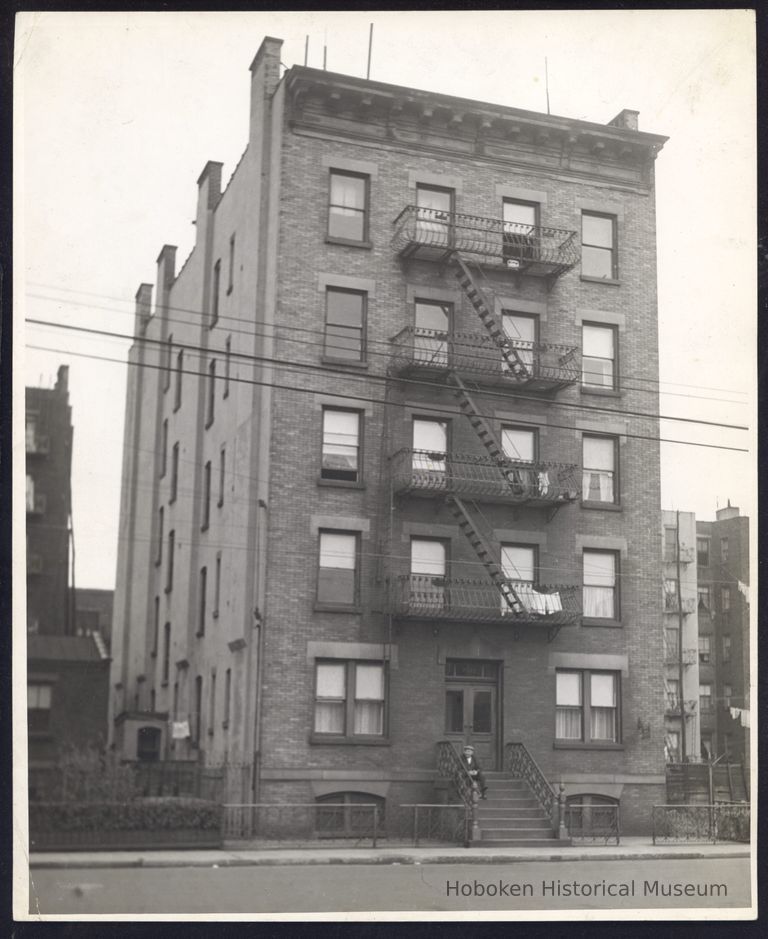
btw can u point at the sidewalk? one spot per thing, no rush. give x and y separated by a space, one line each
235 856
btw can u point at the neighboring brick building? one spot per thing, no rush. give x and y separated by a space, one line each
723 586
384 482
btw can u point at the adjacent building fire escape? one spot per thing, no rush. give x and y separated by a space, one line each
492 357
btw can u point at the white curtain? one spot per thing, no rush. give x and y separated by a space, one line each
603 706
430 441
369 699
340 439
599 584
331 686
569 706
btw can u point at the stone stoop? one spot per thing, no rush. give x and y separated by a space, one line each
512 816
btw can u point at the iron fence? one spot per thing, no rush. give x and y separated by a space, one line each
588 823
723 821
449 823
304 821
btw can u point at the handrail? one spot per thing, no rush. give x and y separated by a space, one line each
521 765
449 766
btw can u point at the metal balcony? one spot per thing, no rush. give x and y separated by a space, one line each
433 235
671 604
673 704
426 597
429 353
425 473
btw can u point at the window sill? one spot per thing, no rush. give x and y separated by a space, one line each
603 506
611 281
348 242
596 621
340 483
326 739
352 363
605 392
582 745
336 608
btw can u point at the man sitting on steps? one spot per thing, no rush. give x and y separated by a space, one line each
471 765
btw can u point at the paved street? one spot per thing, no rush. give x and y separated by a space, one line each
522 885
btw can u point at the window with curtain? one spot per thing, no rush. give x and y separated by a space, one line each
598 469
434 215
348 206
587 708
430 443
428 563
600 595
432 322
337 582
349 698
598 359
39 698
341 445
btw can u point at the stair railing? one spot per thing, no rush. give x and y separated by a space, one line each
519 763
449 766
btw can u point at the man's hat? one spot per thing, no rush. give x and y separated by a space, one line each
468 746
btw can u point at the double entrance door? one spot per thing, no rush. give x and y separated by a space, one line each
472 708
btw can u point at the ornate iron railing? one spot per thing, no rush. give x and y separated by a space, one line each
519 763
449 766
431 234
428 473
423 596
673 704
451 824
724 821
547 365
595 824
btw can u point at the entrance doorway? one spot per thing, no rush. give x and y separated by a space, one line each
472 706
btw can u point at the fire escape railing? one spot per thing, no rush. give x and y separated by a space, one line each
427 472
536 249
468 353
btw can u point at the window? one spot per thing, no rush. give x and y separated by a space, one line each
231 266
723 550
670 545
211 393
434 215
217 586
30 433
725 599
164 448
428 564
587 708
704 598
726 649
702 552
598 246
598 360
349 698
705 650
345 324
341 445
518 564
198 715
348 814
179 374
203 601
156 628
430 445
166 653
432 322
227 697
670 594
673 694
598 482
519 443
148 744
168 363
337 582
39 708
672 746
600 585
215 290
727 695
519 231
521 329
227 364
160 535
348 206
222 475
706 746
174 472
671 644
30 493
169 572
212 703
206 496
705 698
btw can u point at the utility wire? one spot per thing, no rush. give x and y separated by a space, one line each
353 398
379 378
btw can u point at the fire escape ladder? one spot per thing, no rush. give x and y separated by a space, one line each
475 295
485 553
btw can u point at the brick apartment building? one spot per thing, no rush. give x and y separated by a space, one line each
383 483
67 671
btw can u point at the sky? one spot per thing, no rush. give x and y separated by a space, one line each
117 113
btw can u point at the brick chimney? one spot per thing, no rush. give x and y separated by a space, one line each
265 76
626 120
143 309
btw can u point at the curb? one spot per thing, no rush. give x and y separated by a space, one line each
405 859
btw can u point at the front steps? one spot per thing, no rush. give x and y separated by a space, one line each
511 816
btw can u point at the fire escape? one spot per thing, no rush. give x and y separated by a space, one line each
468 363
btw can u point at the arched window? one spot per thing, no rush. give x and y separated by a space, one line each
348 814
592 817
148 744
